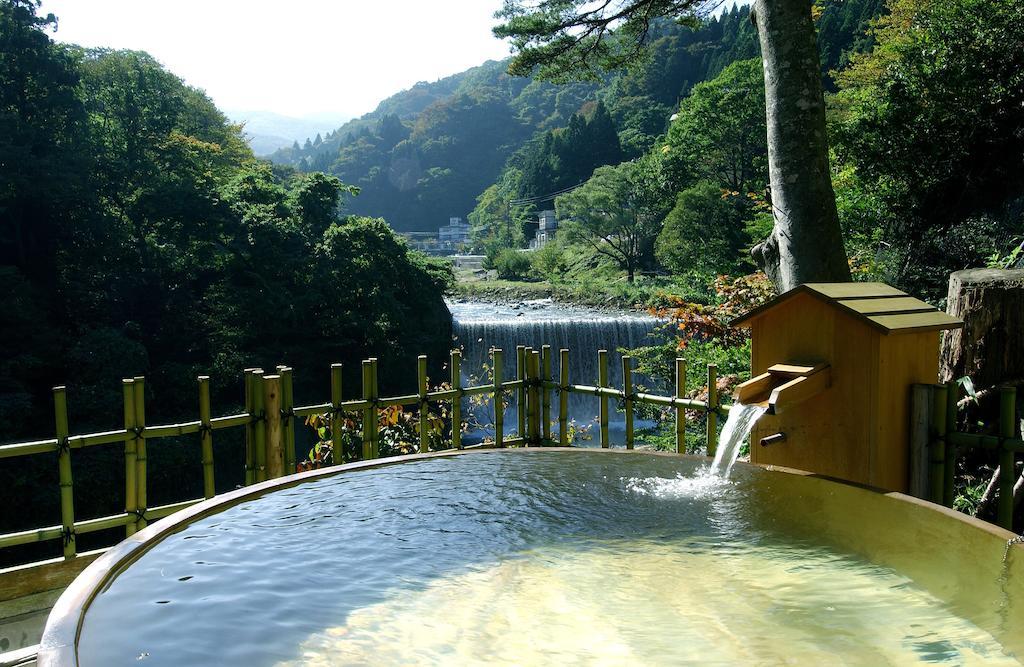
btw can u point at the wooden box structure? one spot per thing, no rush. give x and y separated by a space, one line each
861 346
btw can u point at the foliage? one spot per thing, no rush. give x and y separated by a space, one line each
616 213
922 168
548 262
705 232
511 264
139 236
566 40
398 432
720 134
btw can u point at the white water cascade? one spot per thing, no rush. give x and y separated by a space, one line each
478 327
735 432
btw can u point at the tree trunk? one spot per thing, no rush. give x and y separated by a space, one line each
806 244
989 347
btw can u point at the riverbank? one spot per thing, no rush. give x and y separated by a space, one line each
604 294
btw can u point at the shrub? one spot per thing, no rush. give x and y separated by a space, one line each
512 264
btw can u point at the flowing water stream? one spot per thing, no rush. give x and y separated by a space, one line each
735 432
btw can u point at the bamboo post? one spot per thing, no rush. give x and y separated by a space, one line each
374 423
421 384
130 502
712 435
533 397
1007 465
563 397
680 411
206 436
288 417
456 370
602 382
369 412
937 455
250 429
259 414
337 418
949 484
521 394
67 489
139 387
499 406
627 402
545 392
274 427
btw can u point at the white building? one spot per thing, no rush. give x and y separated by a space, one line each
454 235
546 231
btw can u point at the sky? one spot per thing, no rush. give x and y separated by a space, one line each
298 58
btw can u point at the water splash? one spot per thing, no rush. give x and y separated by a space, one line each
735 432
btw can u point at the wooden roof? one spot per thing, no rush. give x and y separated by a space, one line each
883 307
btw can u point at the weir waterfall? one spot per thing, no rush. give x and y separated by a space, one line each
478 327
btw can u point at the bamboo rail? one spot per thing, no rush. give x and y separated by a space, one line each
269 425
945 444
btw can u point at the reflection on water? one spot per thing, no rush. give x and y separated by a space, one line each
643 603
516 557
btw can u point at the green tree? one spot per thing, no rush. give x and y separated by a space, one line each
705 232
572 38
42 160
616 214
719 133
920 166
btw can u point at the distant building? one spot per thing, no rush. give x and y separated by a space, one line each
546 231
454 235
423 241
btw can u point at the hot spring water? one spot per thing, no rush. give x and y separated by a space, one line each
735 432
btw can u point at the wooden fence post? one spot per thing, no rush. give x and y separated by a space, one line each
369 412
67 490
288 417
424 413
337 418
563 397
521 392
499 401
545 376
456 375
937 447
273 426
140 451
1007 465
627 400
712 422
206 436
533 398
920 436
680 411
130 487
602 383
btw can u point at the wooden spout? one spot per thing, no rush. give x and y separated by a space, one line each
785 385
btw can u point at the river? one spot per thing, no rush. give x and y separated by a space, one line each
478 327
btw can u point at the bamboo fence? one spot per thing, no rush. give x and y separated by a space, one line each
946 444
270 415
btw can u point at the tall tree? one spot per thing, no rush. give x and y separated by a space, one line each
614 214
565 39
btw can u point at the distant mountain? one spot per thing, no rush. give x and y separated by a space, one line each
427 153
268 131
